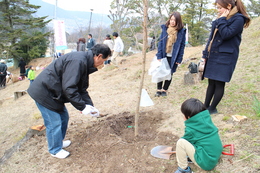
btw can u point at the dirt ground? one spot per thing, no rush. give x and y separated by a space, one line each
108 144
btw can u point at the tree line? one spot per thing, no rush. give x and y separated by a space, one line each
126 16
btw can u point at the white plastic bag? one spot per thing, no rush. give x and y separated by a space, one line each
160 70
145 99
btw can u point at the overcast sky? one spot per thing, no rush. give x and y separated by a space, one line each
98 6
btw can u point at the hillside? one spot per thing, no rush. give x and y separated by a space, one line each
107 145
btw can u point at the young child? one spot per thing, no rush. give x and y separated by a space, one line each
31 74
201 142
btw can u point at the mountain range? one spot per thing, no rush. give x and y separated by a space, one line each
74 20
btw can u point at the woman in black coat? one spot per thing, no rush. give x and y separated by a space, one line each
22 65
222 50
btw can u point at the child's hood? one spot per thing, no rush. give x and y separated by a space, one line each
201 121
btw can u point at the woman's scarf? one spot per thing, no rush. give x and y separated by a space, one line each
232 12
172 37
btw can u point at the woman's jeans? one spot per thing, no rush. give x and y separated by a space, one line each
56 126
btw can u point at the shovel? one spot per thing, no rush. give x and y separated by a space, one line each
163 152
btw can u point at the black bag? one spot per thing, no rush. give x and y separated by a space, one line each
193 67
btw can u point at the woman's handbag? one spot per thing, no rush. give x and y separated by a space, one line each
160 70
201 65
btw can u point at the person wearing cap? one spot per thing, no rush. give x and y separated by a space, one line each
3 68
109 42
118 48
66 80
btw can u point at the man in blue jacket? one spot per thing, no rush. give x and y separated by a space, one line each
66 80
91 42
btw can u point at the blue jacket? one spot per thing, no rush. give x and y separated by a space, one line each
178 47
91 42
222 59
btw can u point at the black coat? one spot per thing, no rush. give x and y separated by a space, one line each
222 59
65 80
22 65
3 68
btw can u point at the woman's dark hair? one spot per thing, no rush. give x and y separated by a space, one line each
192 107
240 7
179 24
101 49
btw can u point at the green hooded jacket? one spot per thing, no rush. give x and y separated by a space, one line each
203 135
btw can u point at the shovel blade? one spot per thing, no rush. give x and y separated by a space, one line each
163 152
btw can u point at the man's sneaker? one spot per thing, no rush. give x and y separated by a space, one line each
62 154
66 143
187 170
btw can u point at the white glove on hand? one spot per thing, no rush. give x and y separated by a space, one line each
87 110
94 112
90 110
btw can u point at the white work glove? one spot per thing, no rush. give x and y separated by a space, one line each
90 110
94 112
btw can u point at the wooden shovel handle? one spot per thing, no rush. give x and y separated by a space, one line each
171 152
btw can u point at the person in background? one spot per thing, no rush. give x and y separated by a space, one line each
66 80
9 76
118 48
27 69
201 142
109 42
152 47
31 74
171 46
3 73
81 46
22 65
222 50
91 42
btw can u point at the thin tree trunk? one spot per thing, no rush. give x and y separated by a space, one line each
145 6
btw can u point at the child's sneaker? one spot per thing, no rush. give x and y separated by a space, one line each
187 170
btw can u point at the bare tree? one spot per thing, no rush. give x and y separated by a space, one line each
145 16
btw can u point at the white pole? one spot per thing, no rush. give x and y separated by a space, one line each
54 46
